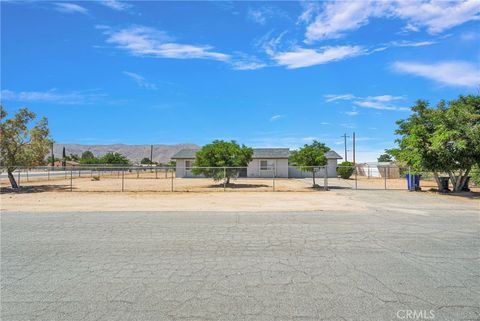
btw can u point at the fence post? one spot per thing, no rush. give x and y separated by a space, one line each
224 178
171 188
48 174
156 173
123 179
325 180
355 170
71 180
138 173
385 178
27 174
274 172
79 172
409 186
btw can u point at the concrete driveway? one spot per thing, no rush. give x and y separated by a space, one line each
381 264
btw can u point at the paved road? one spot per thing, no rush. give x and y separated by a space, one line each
241 266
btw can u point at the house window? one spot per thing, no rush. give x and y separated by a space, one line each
267 165
188 165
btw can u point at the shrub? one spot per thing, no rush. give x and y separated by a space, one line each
475 175
345 170
95 178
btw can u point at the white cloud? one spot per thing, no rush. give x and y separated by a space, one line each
450 73
352 113
339 17
70 8
145 41
301 57
141 81
405 43
51 96
276 117
261 14
381 102
330 98
116 5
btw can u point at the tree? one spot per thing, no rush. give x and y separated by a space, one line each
445 139
220 154
64 157
385 158
309 157
114 158
146 160
87 155
345 169
21 145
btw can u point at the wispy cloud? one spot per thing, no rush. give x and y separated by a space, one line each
145 41
330 98
69 7
301 57
140 80
116 5
449 73
337 18
382 102
52 96
276 117
261 14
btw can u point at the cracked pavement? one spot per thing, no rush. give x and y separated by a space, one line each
406 252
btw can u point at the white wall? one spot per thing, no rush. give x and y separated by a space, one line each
253 169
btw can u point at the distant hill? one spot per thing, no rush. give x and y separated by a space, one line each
135 153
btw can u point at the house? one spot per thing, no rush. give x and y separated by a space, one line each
266 163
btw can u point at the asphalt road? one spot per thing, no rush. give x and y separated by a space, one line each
241 266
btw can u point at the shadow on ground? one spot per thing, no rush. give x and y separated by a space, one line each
35 189
235 186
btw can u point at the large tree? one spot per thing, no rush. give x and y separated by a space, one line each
310 157
21 145
211 159
445 139
114 158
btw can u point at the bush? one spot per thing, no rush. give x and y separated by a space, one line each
475 175
345 170
95 178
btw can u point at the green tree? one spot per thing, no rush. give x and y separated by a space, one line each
385 158
64 157
87 155
445 139
345 169
220 154
146 160
310 157
21 145
114 158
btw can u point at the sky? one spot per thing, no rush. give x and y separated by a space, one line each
266 74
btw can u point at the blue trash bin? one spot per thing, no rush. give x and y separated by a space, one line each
413 182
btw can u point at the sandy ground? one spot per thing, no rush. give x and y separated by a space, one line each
129 201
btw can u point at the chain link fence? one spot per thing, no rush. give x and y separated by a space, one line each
111 178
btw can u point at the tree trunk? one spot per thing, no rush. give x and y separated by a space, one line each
228 180
12 180
460 181
439 184
313 172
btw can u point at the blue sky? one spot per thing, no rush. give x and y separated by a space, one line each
267 74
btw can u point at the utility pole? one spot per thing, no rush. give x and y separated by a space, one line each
151 155
345 143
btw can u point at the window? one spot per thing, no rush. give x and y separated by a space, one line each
188 165
267 165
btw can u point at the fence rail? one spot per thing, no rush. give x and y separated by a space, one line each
112 178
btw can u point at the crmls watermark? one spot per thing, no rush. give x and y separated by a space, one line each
415 314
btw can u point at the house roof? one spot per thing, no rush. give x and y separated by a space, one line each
185 154
332 154
257 153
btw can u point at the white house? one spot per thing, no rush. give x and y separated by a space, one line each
266 162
